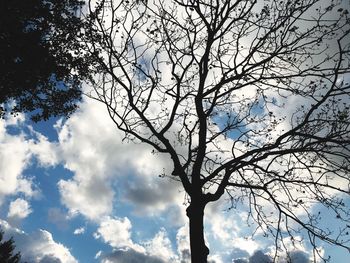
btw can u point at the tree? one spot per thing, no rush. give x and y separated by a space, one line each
6 251
248 99
39 47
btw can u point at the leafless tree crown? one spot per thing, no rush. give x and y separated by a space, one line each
249 99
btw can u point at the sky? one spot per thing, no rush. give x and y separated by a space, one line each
73 191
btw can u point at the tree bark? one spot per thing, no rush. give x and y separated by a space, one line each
199 251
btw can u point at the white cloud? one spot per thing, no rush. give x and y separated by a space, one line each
14 158
247 244
16 152
160 246
19 208
227 233
128 256
261 257
214 259
153 195
38 246
92 198
44 150
183 244
91 153
79 231
223 228
100 160
42 244
117 233
27 186
98 254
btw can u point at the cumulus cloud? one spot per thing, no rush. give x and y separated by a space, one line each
214 259
88 152
228 233
297 257
117 233
19 209
223 226
183 244
50 259
160 246
92 198
39 246
152 195
79 231
14 158
99 160
129 256
44 150
261 257
240 260
238 253
145 193
19 144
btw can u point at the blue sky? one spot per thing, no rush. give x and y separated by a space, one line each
72 191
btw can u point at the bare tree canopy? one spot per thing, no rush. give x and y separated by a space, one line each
249 99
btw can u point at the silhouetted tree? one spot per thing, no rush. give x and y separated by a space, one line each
39 64
7 250
247 98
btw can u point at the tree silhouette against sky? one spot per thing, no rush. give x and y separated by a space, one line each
7 250
39 64
248 99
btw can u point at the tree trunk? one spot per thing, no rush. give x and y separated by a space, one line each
199 251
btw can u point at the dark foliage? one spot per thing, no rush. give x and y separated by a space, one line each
7 251
39 66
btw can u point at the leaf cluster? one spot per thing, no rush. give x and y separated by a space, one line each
6 250
39 64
